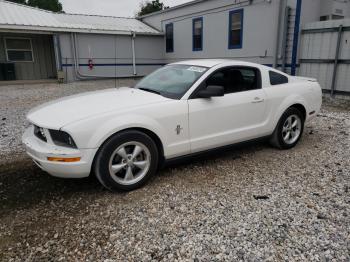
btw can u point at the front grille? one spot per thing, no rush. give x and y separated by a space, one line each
39 133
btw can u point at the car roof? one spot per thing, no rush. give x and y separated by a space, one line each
214 62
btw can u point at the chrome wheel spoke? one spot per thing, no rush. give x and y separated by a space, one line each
295 123
136 152
122 153
141 164
116 168
287 135
129 175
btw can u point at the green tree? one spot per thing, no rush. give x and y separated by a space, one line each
148 7
51 5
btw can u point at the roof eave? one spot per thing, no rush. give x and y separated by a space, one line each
74 30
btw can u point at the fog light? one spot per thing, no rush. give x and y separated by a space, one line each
63 159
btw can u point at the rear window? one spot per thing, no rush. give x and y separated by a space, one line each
277 79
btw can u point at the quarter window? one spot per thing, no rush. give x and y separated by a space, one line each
169 34
277 79
236 79
197 34
19 49
235 29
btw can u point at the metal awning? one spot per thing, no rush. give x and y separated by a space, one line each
21 17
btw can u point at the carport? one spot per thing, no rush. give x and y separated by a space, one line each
39 45
26 56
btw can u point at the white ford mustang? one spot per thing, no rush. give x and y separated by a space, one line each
122 135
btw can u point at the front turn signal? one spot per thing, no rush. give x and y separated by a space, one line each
64 159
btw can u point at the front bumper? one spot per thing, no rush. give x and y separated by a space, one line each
39 151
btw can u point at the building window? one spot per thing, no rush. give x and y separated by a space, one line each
235 37
169 35
19 49
197 31
337 17
324 18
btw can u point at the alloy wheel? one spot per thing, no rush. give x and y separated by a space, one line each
129 163
291 129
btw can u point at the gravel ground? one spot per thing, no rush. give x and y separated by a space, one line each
251 203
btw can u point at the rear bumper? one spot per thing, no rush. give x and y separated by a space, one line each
39 151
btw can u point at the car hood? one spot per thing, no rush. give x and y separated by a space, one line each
58 113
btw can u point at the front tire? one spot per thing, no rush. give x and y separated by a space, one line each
289 129
126 161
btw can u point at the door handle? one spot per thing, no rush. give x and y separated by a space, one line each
258 100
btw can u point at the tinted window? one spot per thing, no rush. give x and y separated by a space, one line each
277 79
197 34
236 29
169 34
235 79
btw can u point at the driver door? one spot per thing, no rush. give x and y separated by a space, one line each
235 117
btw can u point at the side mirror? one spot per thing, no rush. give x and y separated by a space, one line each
211 91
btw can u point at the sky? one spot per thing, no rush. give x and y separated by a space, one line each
125 8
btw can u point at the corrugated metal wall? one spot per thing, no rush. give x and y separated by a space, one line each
111 55
318 56
43 66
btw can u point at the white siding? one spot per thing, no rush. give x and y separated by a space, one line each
259 30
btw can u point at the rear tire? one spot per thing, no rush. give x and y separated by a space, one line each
288 130
126 161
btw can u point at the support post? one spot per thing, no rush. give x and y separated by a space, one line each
336 58
296 37
278 35
133 36
285 37
57 50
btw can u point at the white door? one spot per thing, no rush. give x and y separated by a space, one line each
235 117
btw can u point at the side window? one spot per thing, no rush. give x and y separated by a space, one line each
169 35
236 79
216 79
235 37
277 79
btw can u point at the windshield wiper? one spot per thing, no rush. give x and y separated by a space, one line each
150 90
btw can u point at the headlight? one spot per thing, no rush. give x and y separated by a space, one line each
62 138
40 133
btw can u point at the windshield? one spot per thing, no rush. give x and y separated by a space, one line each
171 81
